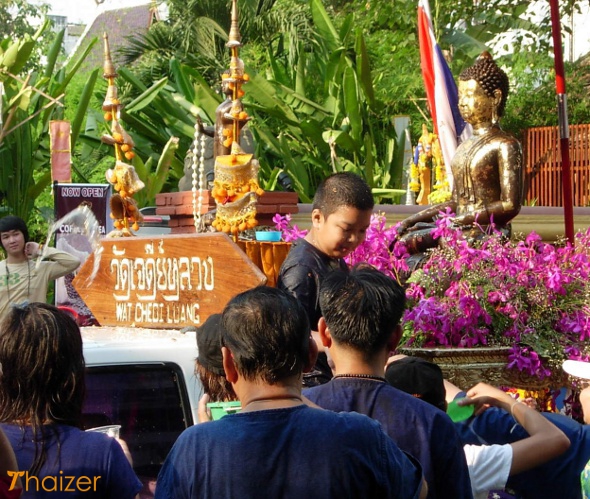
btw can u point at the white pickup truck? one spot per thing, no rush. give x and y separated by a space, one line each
143 380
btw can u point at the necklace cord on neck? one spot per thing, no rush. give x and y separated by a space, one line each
361 376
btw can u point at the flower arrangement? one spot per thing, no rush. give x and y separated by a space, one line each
525 294
530 296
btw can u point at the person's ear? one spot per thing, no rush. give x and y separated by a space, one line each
396 336
229 366
316 218
312 355
324 332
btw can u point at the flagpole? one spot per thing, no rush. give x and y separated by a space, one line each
564 136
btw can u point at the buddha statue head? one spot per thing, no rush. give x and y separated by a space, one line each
483 90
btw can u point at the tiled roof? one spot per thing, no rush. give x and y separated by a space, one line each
76 29
118 24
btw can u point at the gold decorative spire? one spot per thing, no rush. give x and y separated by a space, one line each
126 182
107 65
235 188
235 39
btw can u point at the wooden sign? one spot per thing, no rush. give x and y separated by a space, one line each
169 281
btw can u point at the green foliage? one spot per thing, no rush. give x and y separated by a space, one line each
533 102
29 103
310 130
161 124
464 29
330 76
21 18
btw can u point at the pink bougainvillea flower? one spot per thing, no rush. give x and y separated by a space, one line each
523 293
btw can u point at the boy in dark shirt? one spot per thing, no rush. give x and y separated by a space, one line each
341 213
360 326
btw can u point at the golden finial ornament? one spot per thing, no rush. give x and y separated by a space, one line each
123 177
107 65
235 39
235 188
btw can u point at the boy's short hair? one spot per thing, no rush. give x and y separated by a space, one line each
12 222
268 333
361 307
343 189
420 378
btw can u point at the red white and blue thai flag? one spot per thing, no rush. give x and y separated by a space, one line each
441 90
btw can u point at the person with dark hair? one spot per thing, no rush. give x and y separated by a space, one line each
490 466
341 213
209 366
360 326
419 378
487 167
41 395
21 278
277 446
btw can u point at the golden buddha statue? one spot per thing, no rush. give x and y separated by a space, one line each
487 168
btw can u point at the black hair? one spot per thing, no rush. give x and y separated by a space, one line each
361 307
268 333
11 222
490 77
343 189
42 371
215 385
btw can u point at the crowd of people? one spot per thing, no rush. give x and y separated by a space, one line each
326 410
355 423
506 449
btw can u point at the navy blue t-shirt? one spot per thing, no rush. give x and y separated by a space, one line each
558 478
418 428
297 452
95 462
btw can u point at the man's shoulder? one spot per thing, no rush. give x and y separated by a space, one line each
421 411
344 424
385 396
331 424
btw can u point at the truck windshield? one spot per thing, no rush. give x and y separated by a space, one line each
149 402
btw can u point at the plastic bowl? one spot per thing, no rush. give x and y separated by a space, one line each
270 236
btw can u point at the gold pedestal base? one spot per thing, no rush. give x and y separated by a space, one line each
465 367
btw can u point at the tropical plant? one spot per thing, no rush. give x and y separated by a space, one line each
532 103
196 32
29 102
302 130
310 130
161 121
20 18
517 32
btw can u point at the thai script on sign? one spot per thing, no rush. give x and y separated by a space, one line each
143 278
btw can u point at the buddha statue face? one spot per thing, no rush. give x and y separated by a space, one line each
483 89
475 105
